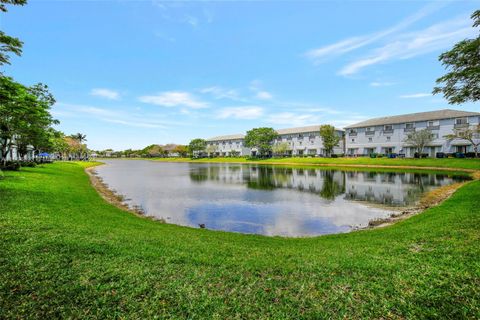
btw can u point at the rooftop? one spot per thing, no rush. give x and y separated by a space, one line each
301 129
279 131
227 137
414 117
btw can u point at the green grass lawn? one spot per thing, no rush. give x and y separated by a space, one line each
473 164
66 253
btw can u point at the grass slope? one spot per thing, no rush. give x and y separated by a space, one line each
64 252
471 164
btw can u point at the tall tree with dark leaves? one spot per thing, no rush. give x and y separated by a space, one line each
9 44
462 83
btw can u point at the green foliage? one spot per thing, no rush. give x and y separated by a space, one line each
66 253
280 148
3 3
330 139
211 149
79 137
197 145
472 135
419 139
462 83
261 139
9 44
24 115
181 150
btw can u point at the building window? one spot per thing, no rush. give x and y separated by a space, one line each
461 121
370 139
388 138
409 125
388 127
353 140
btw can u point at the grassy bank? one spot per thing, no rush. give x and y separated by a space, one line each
64 252
472 164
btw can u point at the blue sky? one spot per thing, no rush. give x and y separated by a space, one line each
132 73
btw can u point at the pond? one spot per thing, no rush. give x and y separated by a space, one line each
267 200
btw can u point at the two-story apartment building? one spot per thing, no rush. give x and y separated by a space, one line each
228 145
301 141
387 135
307 141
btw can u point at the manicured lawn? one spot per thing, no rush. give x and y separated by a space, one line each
65 253
439 163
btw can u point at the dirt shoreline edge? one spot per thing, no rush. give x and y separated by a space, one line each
429 200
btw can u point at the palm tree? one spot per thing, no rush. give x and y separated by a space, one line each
80 138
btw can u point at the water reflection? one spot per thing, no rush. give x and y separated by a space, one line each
264 199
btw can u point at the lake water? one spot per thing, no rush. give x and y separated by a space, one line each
268 200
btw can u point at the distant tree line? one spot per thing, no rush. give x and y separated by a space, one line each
151 151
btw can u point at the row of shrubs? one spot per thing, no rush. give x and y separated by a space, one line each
17 164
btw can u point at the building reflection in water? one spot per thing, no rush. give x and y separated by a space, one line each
388 188
268 200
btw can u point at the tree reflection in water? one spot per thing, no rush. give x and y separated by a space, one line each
389 188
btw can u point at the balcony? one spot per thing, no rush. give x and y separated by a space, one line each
460 125
387 131
433 127
352 134
369 133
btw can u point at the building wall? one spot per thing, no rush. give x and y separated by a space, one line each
309 143
306 143
225 147
378 140
14 156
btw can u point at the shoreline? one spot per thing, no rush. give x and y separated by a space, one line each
430 199
305 164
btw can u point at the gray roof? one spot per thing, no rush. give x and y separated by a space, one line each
228 137
301 129
414 117
279 131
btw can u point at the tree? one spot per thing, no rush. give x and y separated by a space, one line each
211 149
329 137
9 44
419 139
462 83
12 112
79 137
24 115
261 139
472 135
279 149
181 150
197 146
59 144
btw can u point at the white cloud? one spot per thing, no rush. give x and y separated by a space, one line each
408 45
174 99
320 54
113 116
381 84
105 93
245 112
415 95
256 86
221 93
293 119
264 95
191 20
